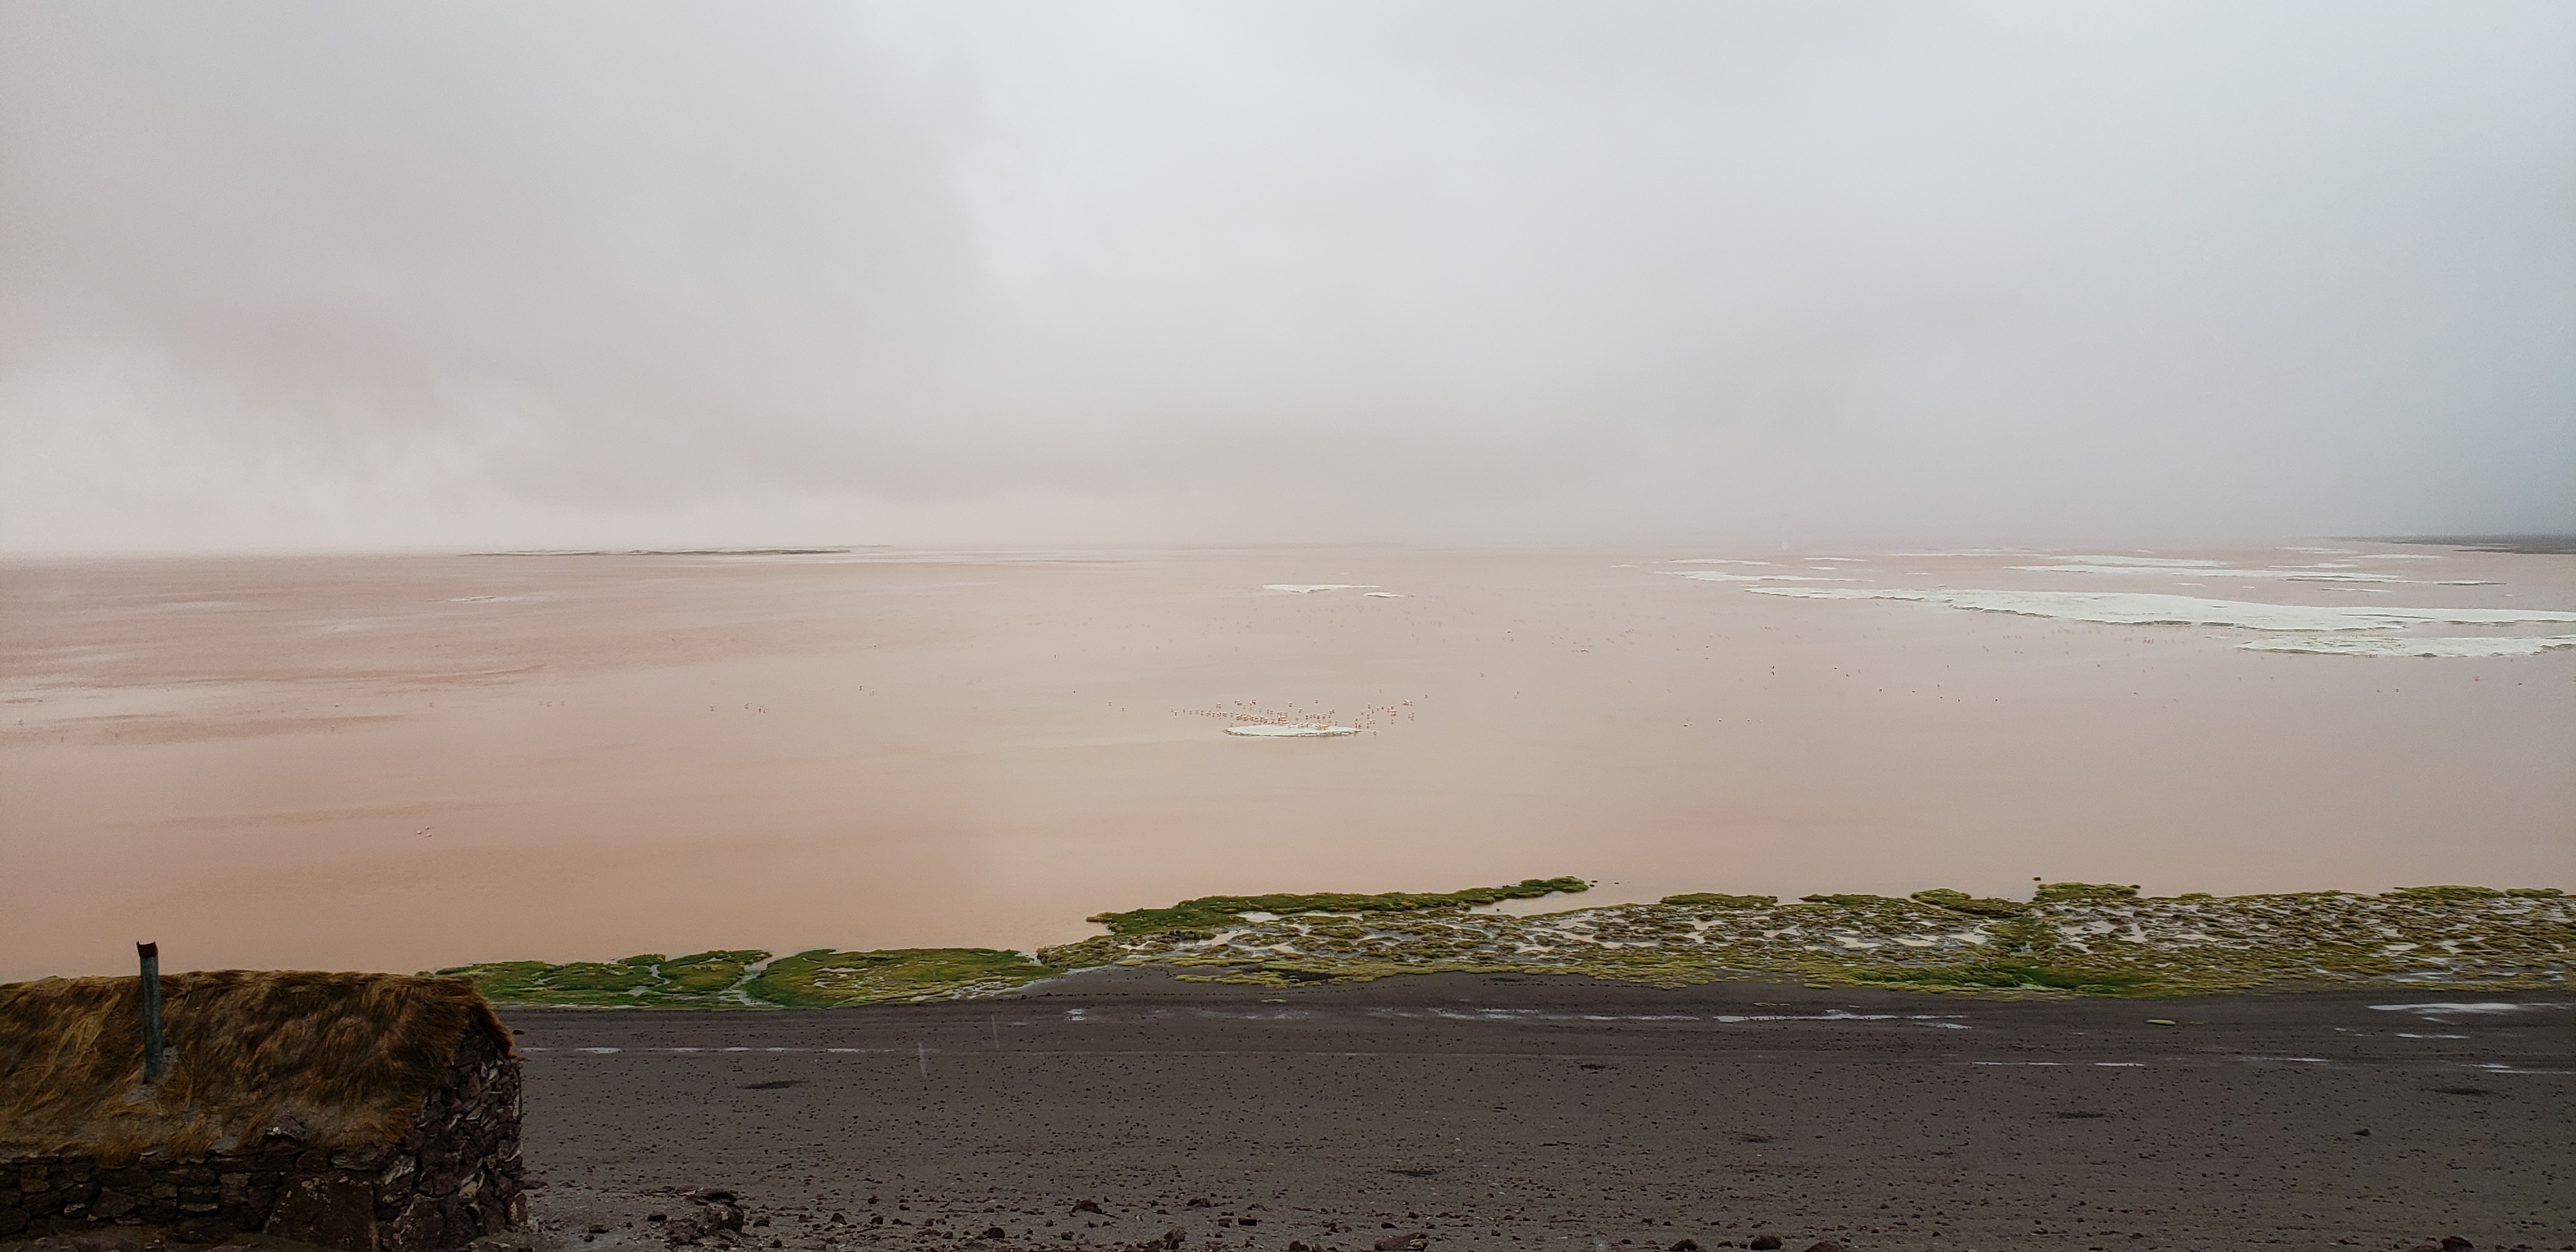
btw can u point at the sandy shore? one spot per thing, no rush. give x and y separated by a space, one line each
1497 1112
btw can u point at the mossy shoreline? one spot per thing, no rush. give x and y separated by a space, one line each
2085 939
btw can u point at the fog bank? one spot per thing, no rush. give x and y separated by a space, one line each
311 275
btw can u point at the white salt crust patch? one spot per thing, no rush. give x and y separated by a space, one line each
2116 608
1385 595
2144 562
1291 732
1310 588
2529 645
1718 576
2213 570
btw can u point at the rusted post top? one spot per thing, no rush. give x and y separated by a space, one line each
156 1059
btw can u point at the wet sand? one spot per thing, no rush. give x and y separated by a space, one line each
1555 1112
408 762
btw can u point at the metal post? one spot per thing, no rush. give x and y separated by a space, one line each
156 1062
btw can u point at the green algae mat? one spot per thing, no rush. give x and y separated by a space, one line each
751 979
2068 939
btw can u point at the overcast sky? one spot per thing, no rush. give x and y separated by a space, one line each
470 275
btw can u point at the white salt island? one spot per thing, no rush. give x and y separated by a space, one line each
1291 732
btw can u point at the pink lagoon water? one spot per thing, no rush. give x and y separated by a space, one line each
402 762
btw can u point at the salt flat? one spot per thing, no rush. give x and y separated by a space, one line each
408 762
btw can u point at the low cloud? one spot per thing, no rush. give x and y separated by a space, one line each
309 275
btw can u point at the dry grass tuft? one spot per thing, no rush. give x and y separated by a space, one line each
332 1060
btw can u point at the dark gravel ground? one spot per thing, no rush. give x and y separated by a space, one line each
1500 1112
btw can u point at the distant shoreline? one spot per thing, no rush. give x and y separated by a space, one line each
2529 545
678 551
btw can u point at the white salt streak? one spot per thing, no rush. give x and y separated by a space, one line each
2526 645
2117 608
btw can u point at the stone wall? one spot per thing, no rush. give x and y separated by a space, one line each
453 1177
